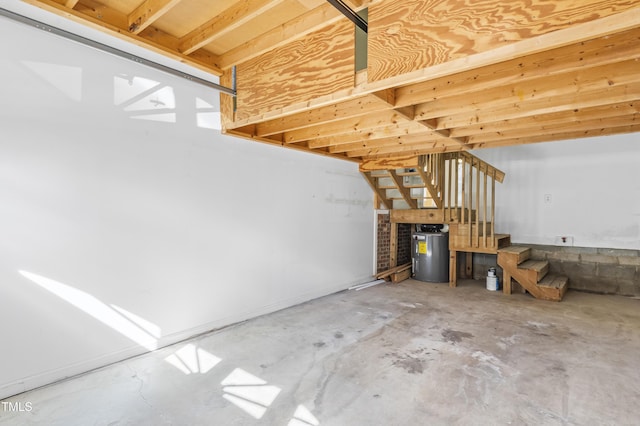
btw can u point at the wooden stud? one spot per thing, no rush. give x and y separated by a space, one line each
493 208
373 183
506 284
393 242
468 264
476 241
484 215
404 192
426 179
453 268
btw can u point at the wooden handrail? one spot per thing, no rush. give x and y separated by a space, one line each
466 182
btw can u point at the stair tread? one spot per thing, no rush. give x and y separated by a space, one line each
501 236
554 281
535 265
514 249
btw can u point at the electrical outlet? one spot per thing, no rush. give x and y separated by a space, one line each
564 241
547 198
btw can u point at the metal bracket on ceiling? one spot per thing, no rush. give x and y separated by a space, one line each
349 13
114 51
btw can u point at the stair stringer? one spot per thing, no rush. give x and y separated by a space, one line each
527 278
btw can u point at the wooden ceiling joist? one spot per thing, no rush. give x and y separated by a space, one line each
147 13
231 19
575 75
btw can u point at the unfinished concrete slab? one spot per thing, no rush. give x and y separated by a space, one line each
401 354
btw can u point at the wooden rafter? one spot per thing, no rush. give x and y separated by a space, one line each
147 13
116 23
232 18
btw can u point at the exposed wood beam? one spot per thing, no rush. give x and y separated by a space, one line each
115 23
399 129
610 95
227 21
576 34
279 143
406 149
415 152
147 13
576 126
433 125
346 126
327 114
415 138
71 3
311 21
576 82
596 28
379 192
406 194
580 56
562 117
559 136
386 164
426 179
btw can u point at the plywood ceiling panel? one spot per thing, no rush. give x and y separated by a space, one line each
442 76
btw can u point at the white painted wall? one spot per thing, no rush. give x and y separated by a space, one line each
104 215
594 185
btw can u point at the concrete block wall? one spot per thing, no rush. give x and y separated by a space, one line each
597 270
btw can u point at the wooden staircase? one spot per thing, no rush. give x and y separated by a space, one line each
476 238
532 275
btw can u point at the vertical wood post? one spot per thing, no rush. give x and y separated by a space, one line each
506 285
468 264
453 268
493 207
393 246
484 214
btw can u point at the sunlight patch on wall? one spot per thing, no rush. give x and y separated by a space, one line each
98 310
165 118
208 116
127 87
147 326
65 78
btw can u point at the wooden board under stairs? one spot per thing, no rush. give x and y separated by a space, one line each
533 275
396 274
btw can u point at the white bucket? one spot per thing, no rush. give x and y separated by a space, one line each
492 283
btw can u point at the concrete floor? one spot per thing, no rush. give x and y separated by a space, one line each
406 354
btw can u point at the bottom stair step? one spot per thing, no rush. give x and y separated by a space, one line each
554 281
552 287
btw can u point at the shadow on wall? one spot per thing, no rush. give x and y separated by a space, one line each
139 98
250 393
